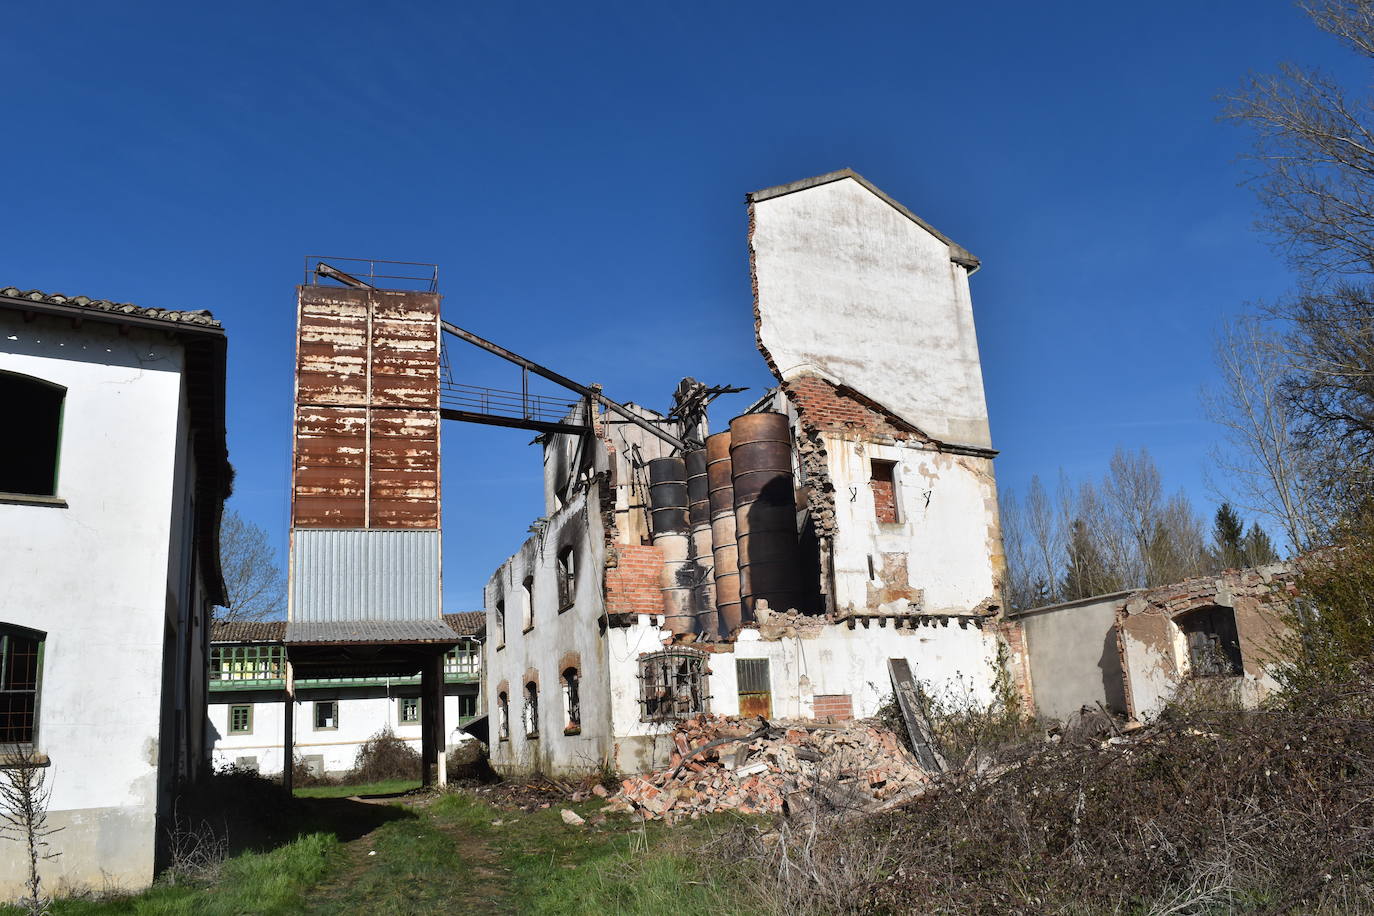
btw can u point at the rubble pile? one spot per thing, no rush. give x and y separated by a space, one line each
760 767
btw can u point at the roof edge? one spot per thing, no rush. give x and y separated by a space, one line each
957 253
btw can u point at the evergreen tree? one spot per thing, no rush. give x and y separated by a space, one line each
1228 537
1257 549
1086 573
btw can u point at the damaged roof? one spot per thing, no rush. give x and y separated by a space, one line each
957 253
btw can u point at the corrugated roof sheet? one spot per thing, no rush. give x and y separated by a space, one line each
200 316
379 631
464 623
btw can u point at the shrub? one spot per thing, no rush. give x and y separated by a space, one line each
383 757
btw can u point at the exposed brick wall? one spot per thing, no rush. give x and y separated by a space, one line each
1013 633
824 406
884 492
838 705
632 584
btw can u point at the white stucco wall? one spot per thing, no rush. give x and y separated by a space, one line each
542 649
1074 659
947 527
95 577
853 289
825 659
360 717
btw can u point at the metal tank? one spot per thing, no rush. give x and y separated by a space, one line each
669 529
723 548
699 521
765 512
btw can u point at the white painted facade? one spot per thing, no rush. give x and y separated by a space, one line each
111 578
361 714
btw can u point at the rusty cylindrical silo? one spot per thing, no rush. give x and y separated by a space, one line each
699 521
765 512
722 497
668 524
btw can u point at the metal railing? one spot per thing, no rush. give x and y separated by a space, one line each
407 275
521 405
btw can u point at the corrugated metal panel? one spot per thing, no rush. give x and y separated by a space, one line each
356 574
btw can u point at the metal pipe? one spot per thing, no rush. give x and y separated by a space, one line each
568 383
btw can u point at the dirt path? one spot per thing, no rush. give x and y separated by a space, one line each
418 862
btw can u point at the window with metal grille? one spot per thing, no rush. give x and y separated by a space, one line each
503 716
672 684
33 416
567 578
326 715
467 707
530 714
409 712
21 656
1213 643
241 720
264 665
572 702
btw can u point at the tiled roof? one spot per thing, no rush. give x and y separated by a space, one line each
467 623
199 317
248 631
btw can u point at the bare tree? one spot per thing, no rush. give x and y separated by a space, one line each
1018 575
1314 149
24 796
1046 540
254 582
1264 460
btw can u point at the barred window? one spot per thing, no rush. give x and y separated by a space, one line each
21 652
673 684
572 703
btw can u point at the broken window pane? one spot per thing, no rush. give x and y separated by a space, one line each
572 703
1213 643
531 711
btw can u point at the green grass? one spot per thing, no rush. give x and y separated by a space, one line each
385 787
454 851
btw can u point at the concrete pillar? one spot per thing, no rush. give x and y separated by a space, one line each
433 750
288 738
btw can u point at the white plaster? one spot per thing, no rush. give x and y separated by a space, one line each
852 288
104 578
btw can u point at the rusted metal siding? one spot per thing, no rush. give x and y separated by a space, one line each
367 409
343 575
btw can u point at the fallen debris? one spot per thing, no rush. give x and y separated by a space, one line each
761 767
572 818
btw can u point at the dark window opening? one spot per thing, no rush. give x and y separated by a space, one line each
20 656
527 607
500 624
1213 643
672 684
503 716
33 410
883 481
326 715
467 707
567 578
572 702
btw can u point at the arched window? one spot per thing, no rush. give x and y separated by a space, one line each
531 711
33 421
503 716
572 703
1213 643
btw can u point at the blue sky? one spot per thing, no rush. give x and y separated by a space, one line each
578 172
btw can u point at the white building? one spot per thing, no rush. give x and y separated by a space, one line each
333 716
112 483
849 518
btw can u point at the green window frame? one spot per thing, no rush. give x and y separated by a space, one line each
255 664
467 706
21 666
463 659
241 719
326 715
408 710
